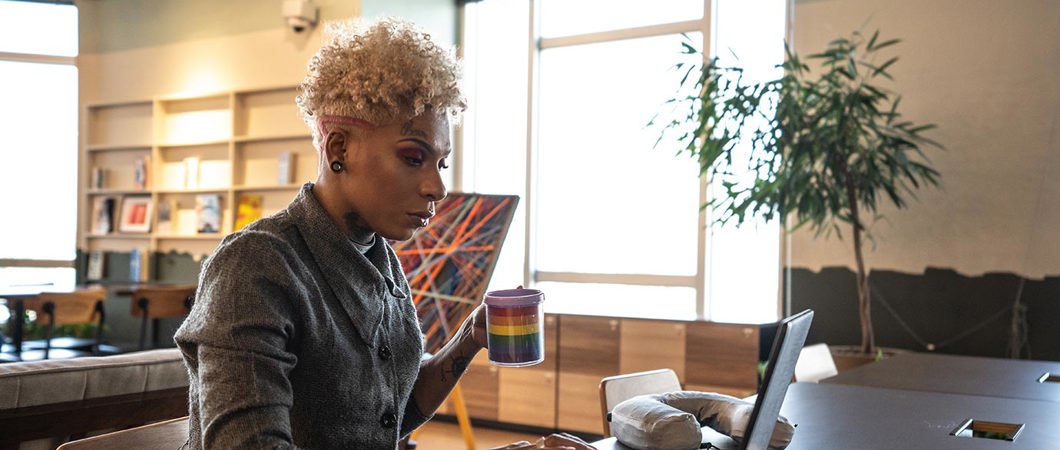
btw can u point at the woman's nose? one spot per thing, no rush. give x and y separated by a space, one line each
433 187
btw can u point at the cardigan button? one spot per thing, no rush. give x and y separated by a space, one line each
389 420
385 353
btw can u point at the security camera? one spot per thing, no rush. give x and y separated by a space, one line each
301 15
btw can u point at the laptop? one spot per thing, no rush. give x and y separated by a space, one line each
791 335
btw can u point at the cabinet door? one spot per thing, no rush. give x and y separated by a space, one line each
588 352
653 344
721 357
527 395
479 385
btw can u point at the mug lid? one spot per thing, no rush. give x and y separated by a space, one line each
514 297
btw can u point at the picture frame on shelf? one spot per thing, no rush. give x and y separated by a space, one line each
103 214
136 214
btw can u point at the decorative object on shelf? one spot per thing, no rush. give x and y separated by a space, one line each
824 146
136 214
208 211
141 172
138 264
173 175
214 174
97 260
248 210
167 215
285 168
449 263
191 172
103 215
98 178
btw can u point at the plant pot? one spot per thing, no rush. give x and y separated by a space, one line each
847 357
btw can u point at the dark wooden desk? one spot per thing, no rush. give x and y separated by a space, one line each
992 377
836 416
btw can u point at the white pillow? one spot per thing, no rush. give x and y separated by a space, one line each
672 421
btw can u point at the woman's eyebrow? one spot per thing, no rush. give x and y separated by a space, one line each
426 145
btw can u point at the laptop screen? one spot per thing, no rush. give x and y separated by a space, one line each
780 368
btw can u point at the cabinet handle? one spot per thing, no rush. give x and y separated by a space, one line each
614 324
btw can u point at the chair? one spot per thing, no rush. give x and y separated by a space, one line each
170 434
618 388
157 302
65 308
815 363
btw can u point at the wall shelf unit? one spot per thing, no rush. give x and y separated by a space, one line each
181 151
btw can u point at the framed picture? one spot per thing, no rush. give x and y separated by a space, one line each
135 214
208 210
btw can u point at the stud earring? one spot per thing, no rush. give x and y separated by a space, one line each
337 166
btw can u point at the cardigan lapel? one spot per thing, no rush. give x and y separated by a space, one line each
358 285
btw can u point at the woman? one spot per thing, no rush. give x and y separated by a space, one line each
303 333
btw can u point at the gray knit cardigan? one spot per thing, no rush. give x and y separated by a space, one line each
297 340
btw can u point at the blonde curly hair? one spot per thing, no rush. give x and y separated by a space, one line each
381 72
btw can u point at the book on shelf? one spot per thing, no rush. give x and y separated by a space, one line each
208 212
167 216
285 168
138 264
99 177
136 214
248 210
191 172
141 172
103 214
96 262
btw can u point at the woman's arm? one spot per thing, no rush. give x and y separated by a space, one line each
440 373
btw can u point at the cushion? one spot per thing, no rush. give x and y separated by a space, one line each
672 421
64 380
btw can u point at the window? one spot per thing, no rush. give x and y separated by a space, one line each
38 143
560 92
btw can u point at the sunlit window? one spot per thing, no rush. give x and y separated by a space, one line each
614 225
38 141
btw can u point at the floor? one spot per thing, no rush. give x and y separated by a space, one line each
438 435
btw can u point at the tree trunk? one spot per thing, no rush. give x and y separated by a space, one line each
868 340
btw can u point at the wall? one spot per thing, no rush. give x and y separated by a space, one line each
988 74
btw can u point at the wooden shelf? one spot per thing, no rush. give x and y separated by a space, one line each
264 188
191 237
119 148
231 141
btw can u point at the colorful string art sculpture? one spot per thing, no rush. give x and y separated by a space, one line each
449 263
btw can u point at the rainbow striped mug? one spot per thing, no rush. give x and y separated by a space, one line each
515 323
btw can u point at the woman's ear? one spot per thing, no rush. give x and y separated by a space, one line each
335 146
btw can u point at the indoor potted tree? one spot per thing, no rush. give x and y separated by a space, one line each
821 147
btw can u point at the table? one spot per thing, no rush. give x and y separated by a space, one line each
837 416
992 377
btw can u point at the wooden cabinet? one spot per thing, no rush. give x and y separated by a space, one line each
223 145
563 392
588 351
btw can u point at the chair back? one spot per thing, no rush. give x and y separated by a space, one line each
815 363
170 434
618 388
69 308
156 302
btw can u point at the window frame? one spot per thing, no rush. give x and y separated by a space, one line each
536 43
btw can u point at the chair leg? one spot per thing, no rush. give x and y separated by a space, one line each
457 396
143 305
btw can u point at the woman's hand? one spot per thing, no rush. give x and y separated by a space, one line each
558 441
477 321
